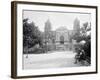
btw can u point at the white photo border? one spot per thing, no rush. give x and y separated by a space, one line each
30 72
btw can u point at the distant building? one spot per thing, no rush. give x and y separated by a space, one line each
47 31
60 37
47 26
76 26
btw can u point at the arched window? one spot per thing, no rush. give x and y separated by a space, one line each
62 39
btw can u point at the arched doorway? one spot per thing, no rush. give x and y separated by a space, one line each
61 39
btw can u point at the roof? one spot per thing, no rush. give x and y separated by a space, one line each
63 28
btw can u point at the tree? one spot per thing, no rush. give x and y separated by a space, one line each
82 34
87 38
31 34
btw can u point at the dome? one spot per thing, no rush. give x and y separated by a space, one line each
63 28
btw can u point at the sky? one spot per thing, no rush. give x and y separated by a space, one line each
57 19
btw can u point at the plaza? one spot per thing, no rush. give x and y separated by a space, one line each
61 59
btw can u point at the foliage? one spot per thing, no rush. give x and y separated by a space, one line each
31 34
83 36
87 48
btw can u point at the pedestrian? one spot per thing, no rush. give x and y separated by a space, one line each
77 56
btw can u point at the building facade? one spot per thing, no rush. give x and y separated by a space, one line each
61 37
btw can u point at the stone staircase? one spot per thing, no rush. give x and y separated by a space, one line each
61 47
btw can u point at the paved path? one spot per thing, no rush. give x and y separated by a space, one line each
50 60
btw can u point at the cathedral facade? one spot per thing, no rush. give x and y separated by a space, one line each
61 37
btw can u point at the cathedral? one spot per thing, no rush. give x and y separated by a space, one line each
61 37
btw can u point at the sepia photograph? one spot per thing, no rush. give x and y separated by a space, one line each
54 39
